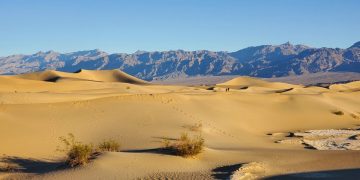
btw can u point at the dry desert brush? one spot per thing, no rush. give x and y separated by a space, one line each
109 145
77 152
186 146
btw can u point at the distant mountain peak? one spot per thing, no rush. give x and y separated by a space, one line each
49 52
357 44
140 52
39 53
43 53
287 44
96 50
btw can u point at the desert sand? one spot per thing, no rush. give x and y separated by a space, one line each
242 128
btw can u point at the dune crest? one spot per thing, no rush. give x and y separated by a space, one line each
351 86
245 82
84 75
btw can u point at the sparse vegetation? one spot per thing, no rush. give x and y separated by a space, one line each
186 146
77 152
337 112
8 167
109 145
166 143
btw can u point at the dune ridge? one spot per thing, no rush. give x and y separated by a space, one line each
85 75
242 82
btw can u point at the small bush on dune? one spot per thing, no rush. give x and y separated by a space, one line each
189 146
77 153
109 145
186 146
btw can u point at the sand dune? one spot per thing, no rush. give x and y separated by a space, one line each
242 82
37 108
352 86
99 76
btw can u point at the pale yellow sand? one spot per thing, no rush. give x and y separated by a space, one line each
96 105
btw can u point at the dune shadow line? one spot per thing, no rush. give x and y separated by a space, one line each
350 174
224 172
26 165
163 151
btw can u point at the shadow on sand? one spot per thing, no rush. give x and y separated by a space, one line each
331 174
161 139
224 172
163 151
35 166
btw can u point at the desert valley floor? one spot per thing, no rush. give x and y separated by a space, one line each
258 129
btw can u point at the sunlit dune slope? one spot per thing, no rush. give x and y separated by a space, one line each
243 82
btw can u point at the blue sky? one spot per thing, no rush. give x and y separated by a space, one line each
28 26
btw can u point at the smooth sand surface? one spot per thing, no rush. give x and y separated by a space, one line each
37 108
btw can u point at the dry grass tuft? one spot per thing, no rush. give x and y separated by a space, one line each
77 152
109 145
186 146
9 167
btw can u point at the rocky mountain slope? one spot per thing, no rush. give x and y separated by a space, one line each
260 61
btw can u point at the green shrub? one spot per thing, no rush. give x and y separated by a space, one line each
109 145
77 152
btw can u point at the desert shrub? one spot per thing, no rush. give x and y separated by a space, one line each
109 145
77 152
186 146
8 167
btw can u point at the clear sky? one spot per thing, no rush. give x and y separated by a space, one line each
28 26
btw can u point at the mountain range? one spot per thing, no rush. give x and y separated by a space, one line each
258 61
